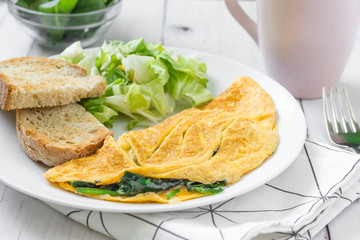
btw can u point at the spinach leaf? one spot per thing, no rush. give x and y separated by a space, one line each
206 188
173 193
67 7
30 4
132 184
82 184
96 191
58 6
88 6
83 6
108 2
111 187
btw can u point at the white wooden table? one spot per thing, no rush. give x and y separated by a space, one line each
203 25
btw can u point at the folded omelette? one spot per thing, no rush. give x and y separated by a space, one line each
191 154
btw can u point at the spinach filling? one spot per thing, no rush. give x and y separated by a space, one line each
132 184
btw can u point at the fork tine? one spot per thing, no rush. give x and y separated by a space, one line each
353 122
340 108
329 123
334 112
343 115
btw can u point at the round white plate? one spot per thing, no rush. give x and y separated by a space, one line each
21 173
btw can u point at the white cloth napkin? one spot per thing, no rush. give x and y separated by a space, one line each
296 205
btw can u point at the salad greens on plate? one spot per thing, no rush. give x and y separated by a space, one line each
144 80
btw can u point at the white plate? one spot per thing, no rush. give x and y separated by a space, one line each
23 174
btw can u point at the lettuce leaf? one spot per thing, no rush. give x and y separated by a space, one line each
131 125
194 68
189 66
137 68
88 62
104 114
185 87
140 47
73 54
118 103
155 91
143 80
76 55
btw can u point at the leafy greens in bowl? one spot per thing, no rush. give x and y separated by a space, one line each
58 23
143 80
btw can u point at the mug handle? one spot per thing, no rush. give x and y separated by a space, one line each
243 19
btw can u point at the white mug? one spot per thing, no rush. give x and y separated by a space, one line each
305 43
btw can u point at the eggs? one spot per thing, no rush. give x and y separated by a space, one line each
223 140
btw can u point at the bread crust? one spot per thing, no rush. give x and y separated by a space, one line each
16 93
40 148
5 92
53 62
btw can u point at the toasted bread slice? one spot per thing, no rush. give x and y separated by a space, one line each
30 82
54 135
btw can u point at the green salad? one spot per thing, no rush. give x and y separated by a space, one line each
143 80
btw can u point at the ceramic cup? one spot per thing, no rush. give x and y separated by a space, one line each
305 43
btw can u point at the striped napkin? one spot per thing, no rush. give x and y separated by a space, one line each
297 204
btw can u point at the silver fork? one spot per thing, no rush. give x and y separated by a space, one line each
343 128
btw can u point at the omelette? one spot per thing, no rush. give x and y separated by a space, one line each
194 153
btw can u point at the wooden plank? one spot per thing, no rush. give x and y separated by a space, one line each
346 224
208 26
315 120
3 10
14 41
38 50
23 217
3 188
322 235
138 18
